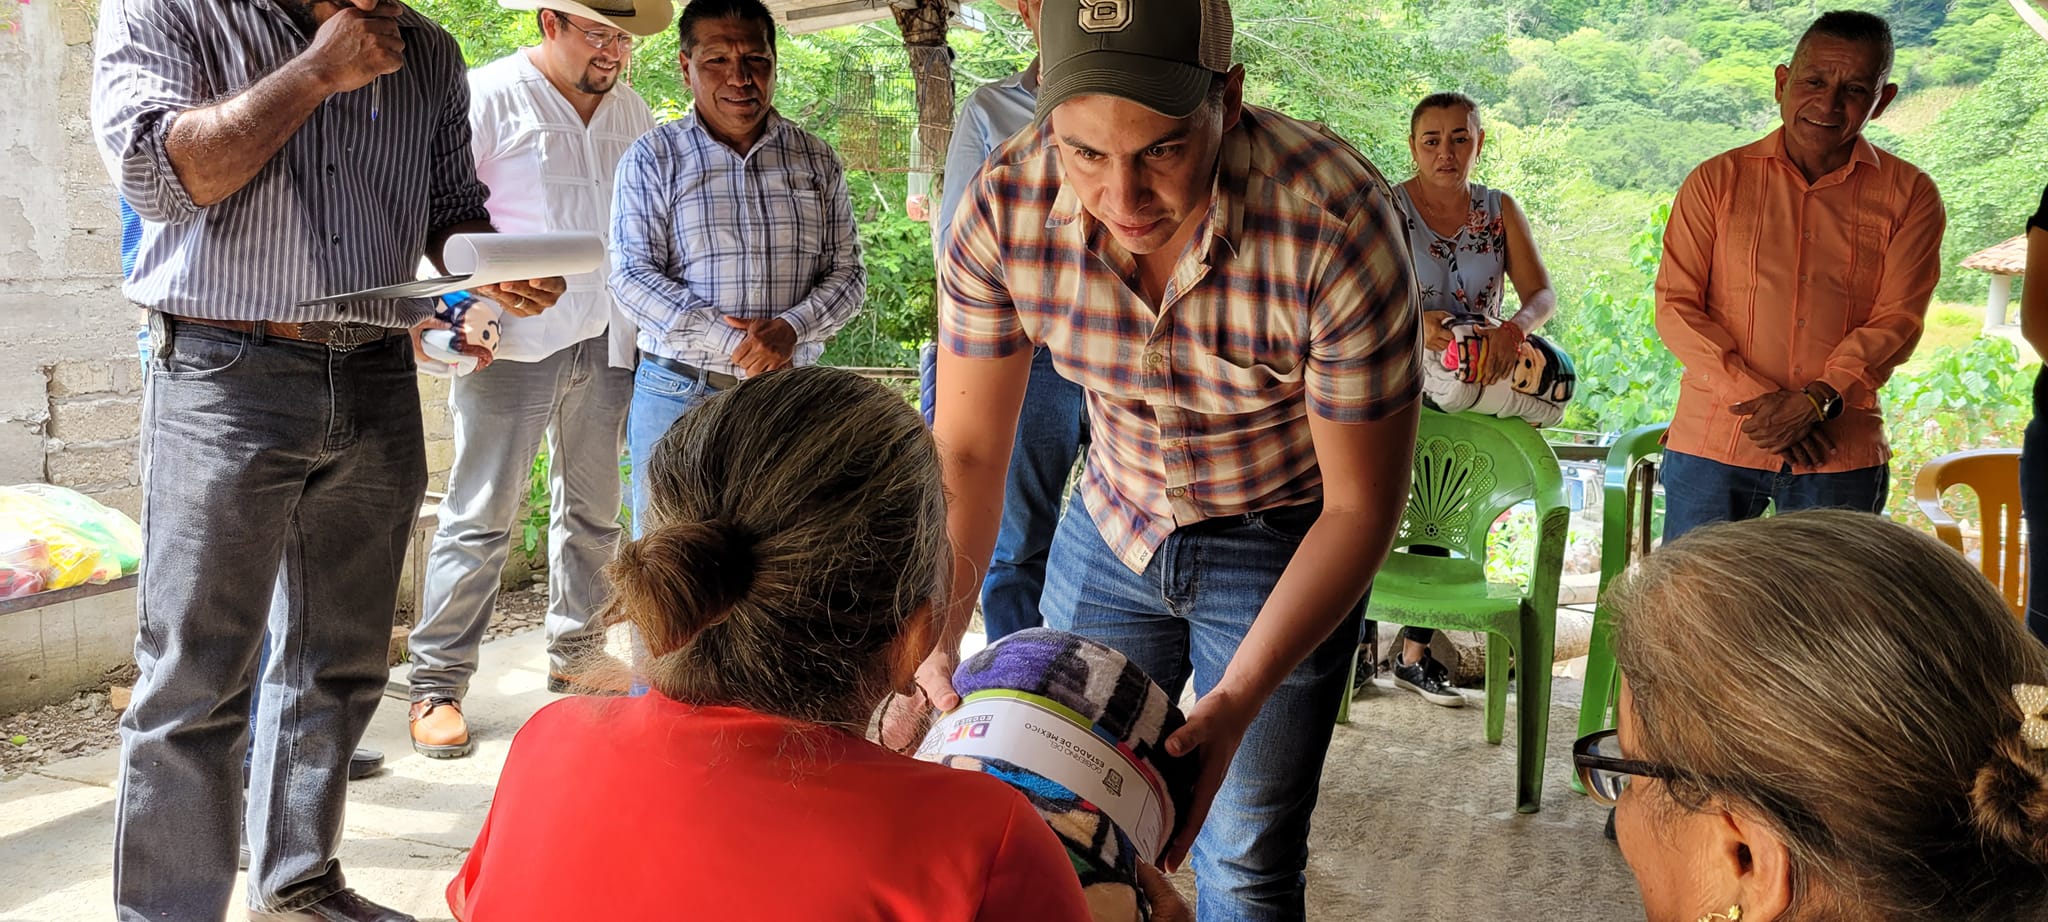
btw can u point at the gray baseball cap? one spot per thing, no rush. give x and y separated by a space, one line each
1160 54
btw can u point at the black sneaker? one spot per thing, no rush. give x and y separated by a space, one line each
1428 678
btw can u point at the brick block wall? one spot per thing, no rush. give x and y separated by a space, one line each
91 439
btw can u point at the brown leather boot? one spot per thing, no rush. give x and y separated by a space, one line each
438 730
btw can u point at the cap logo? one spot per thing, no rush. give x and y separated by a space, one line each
1105 15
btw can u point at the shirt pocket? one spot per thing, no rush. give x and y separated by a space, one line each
796 210
1243 373
569 182
1866 270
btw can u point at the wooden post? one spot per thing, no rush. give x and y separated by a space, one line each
923 23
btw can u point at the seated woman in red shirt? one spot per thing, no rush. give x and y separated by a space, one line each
785 585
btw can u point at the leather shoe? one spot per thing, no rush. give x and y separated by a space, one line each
363 763
341 906
438 730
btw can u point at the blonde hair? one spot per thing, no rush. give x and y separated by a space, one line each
796 525
1849 681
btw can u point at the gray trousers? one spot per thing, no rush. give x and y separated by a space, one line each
578 403
266 464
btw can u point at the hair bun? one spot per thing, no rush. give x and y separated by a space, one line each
2009 801
685 577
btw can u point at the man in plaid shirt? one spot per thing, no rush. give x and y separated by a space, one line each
1229 287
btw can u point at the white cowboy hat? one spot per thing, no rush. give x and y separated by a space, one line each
640 17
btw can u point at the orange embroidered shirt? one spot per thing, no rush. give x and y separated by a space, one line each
1769 283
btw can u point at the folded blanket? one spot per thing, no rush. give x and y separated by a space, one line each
1081 731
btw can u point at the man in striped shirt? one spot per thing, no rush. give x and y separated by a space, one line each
1230 288
736 252
277 153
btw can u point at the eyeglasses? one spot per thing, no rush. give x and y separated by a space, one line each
1604 773
599 39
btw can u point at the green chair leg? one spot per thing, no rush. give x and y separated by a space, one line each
1532 711
1596 709
1498 653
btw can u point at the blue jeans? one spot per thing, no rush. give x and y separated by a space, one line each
1049 434
1698 491
268 467
660 397
1184 617
2034 508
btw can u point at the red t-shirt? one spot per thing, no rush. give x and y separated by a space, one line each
645 808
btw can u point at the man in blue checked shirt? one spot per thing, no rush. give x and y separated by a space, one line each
735 246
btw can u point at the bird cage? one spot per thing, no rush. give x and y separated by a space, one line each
874 106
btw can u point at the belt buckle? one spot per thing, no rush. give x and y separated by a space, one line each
343 337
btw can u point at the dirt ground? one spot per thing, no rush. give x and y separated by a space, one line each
87 724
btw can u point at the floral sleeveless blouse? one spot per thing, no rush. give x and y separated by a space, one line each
1462 275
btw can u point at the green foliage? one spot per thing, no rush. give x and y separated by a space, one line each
1626 378
1976 396
1988 154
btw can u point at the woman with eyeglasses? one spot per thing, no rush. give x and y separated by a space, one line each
1884 757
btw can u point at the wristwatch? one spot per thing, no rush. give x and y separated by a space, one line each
1827 407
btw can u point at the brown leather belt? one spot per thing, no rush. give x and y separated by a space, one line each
717 379
333 335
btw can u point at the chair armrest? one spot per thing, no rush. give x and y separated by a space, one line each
1927 496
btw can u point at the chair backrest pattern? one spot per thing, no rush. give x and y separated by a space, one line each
1452 483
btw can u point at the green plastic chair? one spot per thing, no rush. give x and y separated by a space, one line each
1469 469
1631 487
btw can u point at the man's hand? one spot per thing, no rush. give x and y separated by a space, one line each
356 44
1503 350
1214 729
1777 421
419 351
1435 336
909 716
527 298
1811 452
768 346
1167 905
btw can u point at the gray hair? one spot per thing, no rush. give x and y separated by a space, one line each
1848 681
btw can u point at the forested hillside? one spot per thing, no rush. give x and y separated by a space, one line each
1595 111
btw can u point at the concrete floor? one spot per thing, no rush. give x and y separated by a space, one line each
1416 819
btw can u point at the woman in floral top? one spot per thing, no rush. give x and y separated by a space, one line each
1467 241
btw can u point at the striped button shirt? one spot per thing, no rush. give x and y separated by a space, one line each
348 203
1296 296
700 233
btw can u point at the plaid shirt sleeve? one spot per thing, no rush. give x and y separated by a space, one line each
977 320
1365 333
838 296
641 283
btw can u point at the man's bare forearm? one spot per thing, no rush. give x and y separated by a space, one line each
218 149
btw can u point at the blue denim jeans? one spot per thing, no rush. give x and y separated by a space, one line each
2034 508
268 467
1050 431
660 397
1698 491
1183 618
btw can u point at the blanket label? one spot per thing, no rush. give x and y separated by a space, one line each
1043 736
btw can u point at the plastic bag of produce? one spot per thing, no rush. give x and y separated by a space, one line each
82 541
